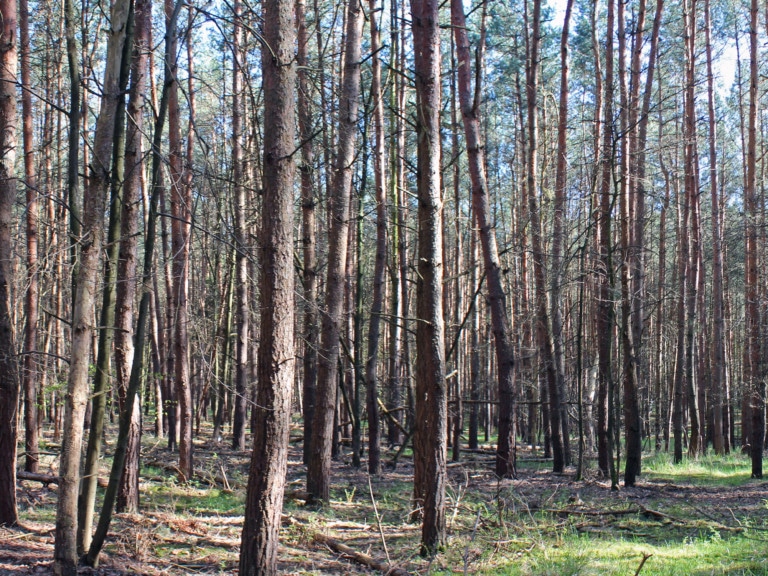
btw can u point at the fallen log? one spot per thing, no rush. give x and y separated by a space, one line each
48 479
359 557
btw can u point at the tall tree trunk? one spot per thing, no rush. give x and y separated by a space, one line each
266 480
631 252
319 468
692 199
605 313
429 443
9 370
380 266
31 356
308 228
543 327
753 367
128 496
559 236
505 453
718 308
241 237
90 246
181 228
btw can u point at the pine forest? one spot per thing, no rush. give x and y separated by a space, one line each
385 286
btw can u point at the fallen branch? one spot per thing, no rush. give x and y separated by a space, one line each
642 562
359 557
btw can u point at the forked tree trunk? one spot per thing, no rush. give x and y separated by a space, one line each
430 437
90 246
266 480
137 368
559 236
470 102
128 495
9 373
319 468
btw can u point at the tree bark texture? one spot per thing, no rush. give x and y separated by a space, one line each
266 480
430 437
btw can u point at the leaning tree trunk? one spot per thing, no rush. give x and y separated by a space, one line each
90 246
9 374
319 468
430 438
266 480
505 453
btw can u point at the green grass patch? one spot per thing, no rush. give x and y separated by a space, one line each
710 470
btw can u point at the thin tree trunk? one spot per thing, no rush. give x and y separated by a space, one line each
241 240
605 313
753 369
380 266
181 212
308 230
266 480
543 327
319 468
31 357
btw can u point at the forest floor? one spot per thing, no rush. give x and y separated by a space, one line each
705 516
